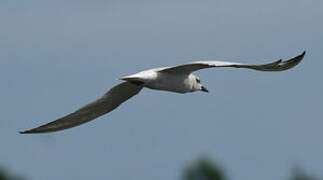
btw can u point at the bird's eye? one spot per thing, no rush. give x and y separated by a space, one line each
198 80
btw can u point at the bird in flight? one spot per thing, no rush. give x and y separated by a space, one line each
178 79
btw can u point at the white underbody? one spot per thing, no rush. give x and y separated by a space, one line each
153 79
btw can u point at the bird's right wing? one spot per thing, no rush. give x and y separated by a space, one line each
279 65
111 100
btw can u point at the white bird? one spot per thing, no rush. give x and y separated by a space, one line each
178 79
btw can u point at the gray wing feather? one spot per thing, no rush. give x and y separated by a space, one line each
279 65
111 100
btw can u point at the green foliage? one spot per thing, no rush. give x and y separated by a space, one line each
5 175
204 169
300 174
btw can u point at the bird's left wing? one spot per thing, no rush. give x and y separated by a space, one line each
111 100
279 65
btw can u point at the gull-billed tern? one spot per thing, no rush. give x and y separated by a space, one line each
178 79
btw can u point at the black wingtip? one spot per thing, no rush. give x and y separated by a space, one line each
31 131
301 56
24 132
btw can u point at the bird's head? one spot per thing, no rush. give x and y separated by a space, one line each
197 86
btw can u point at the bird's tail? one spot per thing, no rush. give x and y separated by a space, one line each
133 80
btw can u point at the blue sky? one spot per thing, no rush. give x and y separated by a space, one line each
56 56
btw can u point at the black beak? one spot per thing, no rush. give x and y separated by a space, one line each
204 89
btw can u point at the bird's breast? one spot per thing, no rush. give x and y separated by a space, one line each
170 82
